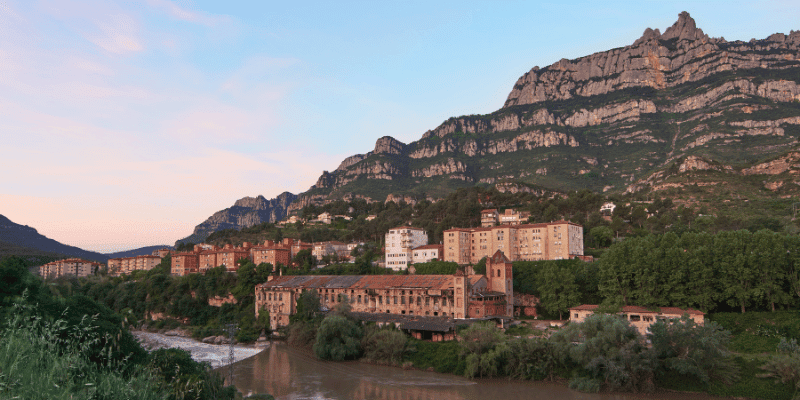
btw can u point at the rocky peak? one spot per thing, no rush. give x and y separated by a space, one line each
256 203
683 28
647 36
389 145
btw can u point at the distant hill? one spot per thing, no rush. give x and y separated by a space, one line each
143 251
15 238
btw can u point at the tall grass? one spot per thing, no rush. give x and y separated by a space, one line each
36 362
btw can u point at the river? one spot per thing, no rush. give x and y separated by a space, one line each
291 374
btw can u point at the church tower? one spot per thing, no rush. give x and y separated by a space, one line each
460 294
500 279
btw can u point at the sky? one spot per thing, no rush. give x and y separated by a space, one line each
126 123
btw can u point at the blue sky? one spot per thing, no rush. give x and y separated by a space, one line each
125 124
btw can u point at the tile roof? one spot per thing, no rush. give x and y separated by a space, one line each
440 282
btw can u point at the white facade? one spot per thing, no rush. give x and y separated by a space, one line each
400 243
427 253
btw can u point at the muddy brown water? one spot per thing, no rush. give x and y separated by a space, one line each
291 374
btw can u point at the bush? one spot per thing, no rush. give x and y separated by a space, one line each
609 350
385 345
535 359
694 350
442 357
338 338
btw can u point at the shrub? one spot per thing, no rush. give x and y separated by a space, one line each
694 350
609 350
384 345
338 338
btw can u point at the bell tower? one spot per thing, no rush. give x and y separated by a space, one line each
500 278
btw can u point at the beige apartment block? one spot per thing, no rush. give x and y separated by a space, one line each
639 317
126 265
68 267
528 242
400 244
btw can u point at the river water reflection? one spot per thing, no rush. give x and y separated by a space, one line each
290 374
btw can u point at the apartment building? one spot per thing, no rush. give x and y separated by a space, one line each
400 243
271 253
69 267
527 242
457 296
126 265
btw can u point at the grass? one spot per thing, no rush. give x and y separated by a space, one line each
35 363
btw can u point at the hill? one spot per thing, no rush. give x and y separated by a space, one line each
17 238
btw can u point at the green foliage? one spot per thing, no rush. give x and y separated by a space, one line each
385 345
49 360
785 365
338 338
185 378
484 348
759 332
704 271
609 350
534 359
442 357
308 306
694 350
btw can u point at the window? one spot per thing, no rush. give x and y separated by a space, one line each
635 318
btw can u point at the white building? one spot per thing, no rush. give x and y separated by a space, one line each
400 243
427 253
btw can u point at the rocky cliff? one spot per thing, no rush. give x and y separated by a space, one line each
246 212
608 121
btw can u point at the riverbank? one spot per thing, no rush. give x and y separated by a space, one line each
216 355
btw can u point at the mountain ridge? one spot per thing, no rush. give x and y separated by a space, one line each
616 121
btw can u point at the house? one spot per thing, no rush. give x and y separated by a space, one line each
429 252
607 209
639 317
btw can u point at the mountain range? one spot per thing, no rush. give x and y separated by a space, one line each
620 121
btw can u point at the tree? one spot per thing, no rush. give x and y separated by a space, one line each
610 351
308 306
558 291
602 235
385 345
484 347
695 350
338 338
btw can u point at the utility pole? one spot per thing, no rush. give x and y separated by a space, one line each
231 332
